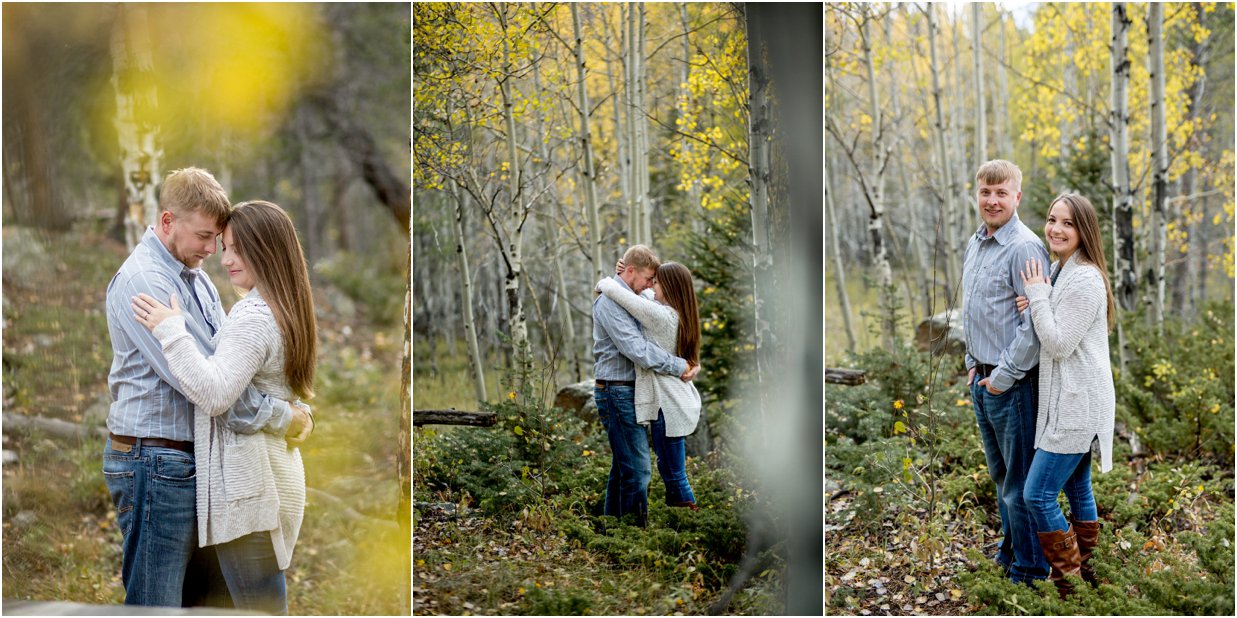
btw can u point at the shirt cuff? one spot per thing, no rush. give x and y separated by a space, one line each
168 329
1038 290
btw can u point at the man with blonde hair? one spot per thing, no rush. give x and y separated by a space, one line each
1002 357
148 461
618 345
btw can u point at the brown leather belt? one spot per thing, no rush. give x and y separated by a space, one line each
605 383
983 371
185 447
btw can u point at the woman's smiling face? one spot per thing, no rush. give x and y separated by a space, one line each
1060 231
238 272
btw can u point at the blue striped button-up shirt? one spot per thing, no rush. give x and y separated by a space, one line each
146 402
618 341
996 334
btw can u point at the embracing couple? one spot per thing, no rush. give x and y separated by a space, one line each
1041 384
646 347
201 458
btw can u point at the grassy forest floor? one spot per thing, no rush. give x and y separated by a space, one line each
61 541
912 520
503 526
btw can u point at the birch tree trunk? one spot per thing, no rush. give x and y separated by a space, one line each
475 364
1159 161
1124 279
633 139
839 272
137 99
981 137
642 126
586 149
515 216
760 174
950 222
1004 140
875 189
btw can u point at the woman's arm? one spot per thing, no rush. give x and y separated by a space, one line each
1061 331
214 383
646 311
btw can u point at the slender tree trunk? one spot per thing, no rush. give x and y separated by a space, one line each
512 247
403 508
310 193
951 222
475 363
760 173
586 149
875 188
1124 279
981 136
642 124
1004 139
839 271
1159 161
137 99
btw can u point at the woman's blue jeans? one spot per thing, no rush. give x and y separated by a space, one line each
1049 474
672 463
252 573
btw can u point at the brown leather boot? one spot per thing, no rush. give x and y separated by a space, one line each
1088 537
1061 550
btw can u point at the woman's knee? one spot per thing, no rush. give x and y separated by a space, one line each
1038 500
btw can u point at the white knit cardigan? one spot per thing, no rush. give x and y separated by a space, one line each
1077 401
245 482
679 401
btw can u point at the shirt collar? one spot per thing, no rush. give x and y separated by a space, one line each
623 283
161 253
1004 234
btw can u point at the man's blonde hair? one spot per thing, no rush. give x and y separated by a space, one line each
194 189
997 171
641 257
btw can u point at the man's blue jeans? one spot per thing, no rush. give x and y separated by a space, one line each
1007 428
627 491
1049 474
252 572
672 463
153 491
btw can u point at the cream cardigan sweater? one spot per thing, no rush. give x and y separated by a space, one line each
1076 397
678 400
245 482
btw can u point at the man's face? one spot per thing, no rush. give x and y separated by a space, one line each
997 203
191 237
640 279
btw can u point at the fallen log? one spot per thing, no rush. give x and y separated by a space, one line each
849 377
52 427
453 417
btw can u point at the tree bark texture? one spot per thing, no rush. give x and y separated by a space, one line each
1159 161
137 100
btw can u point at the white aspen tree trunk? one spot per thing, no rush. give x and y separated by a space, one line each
586 149
646 202
950 222
633 137
622 131
1159 161
474 356
1124 278
1004 138
875 187
760 174
141 154
693 191
515 216
839 271
981 135
914 244
968 217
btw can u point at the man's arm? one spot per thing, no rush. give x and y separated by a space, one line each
632 343
253 412
1022 353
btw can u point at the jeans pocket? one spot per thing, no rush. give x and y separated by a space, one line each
174 468
120 486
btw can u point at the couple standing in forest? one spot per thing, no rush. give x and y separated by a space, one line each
1041 384
646 346
201 460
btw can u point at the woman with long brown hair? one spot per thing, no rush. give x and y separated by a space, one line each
250 487
1072 312
671 320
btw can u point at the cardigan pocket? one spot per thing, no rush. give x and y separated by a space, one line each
243 470
1073 411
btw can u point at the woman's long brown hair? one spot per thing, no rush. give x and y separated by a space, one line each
264 237
1090 243
677 291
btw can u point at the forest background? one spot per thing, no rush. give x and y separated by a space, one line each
1128 104
305 105
548 138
